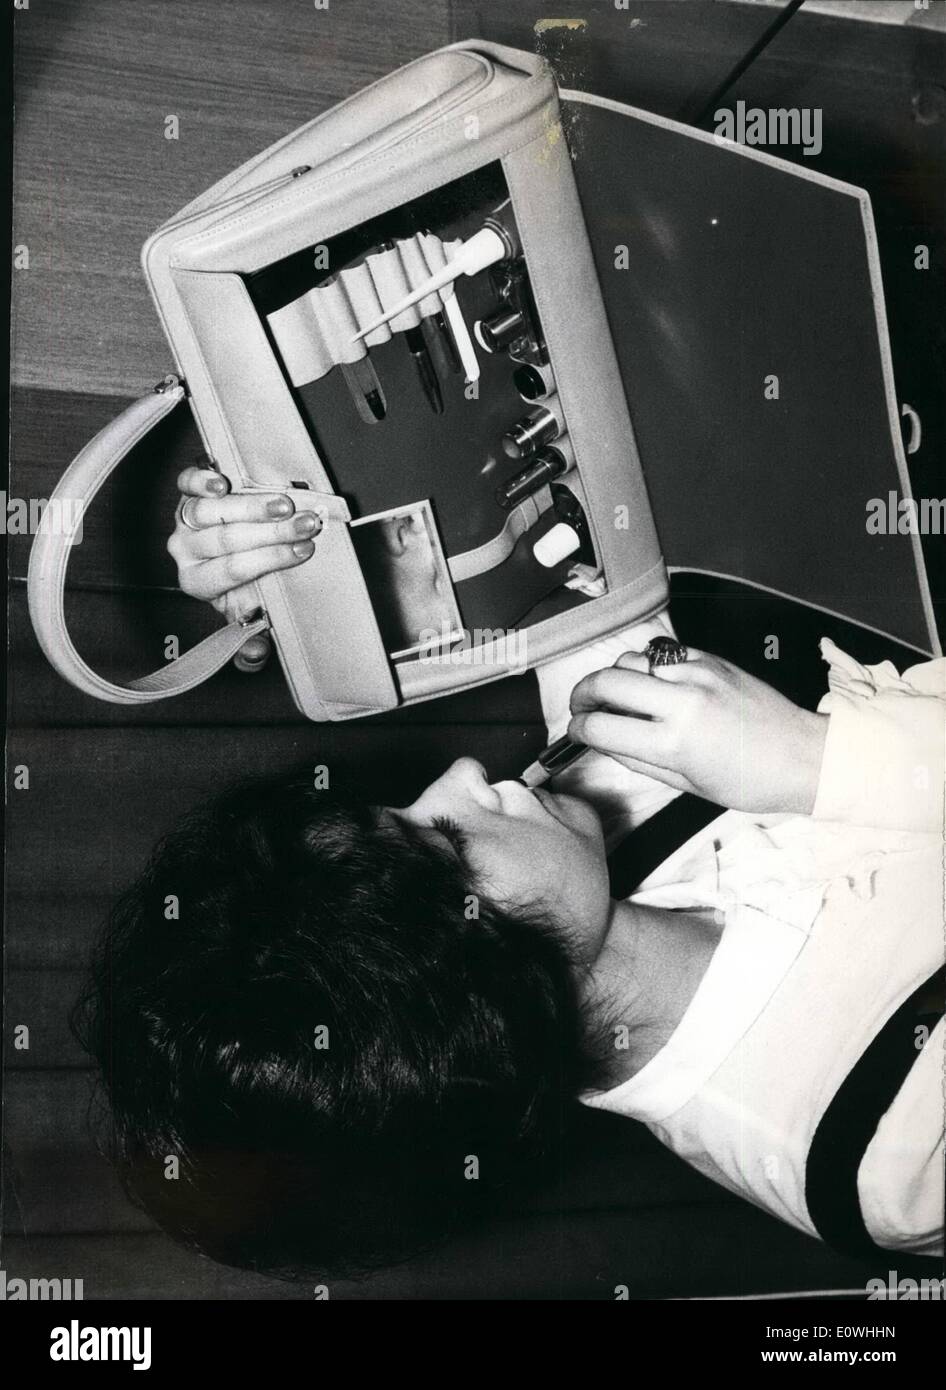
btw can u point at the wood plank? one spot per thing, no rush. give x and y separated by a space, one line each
657 1252
122 635
42 1000
56 1180
96 804
136 1265
94 175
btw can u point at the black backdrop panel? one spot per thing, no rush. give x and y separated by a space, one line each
738 270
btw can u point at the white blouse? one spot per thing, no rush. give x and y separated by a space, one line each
827 924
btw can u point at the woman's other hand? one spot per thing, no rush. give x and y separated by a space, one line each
230 542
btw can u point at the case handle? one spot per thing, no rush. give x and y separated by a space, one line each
49 559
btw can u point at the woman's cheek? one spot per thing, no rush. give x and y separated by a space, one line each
511 871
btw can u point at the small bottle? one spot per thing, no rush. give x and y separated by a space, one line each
499 331
531 433
570 537
547 465
533 383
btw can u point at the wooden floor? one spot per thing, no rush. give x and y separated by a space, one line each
94 175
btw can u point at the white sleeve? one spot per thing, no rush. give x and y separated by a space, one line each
884 759
622 798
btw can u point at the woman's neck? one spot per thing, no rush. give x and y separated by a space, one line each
640 985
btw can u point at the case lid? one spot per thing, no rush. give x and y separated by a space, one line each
750 328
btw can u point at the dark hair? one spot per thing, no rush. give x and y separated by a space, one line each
453 1032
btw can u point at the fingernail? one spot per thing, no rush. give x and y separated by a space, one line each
218 486
305 524
280 506
303 549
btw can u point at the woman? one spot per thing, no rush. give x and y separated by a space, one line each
362 1021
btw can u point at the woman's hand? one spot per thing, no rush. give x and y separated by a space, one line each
706 727
238 538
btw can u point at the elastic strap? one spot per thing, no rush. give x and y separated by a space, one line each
851 1119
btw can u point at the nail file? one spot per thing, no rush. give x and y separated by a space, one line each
455 332
365 388
446 340
461 336
423 363
426 371
362 381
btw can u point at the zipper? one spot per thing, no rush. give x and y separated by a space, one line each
244 197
